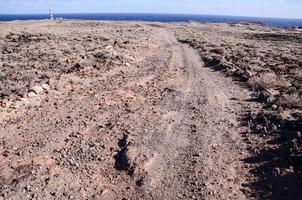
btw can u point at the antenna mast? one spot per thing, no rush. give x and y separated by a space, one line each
50 13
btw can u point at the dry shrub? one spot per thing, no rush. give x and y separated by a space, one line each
270 80
293 101
297 73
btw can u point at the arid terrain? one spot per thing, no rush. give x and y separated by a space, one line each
138 110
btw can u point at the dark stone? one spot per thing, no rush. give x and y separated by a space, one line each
76 67
264 96
4 93
242 75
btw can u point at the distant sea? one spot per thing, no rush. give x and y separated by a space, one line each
286 23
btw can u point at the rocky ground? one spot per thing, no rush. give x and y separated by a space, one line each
137 110
268 61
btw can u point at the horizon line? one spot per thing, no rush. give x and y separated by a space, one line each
147 13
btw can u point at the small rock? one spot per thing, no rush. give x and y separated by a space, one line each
37 89
31 94
29 75
86 82
270 100
51 82
264 96
277 171
31 102
76 67
2 76
140 182
298 134
108 47
220 51
242 75
4 93
247 74
45 86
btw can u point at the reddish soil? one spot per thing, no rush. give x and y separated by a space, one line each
126 110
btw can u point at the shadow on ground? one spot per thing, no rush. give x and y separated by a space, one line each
277 161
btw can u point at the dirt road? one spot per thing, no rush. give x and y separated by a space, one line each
198 146
166 128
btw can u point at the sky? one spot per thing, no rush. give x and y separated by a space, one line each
258 8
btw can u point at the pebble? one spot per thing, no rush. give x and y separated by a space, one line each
51 82
277 171
45 86
37 89
31 102
299 134
2 75
197 154
4 93
31 94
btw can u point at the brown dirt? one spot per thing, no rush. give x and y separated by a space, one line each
104 110
268 62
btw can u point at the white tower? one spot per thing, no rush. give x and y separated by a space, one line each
50 14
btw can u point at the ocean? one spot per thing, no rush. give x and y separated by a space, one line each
284 23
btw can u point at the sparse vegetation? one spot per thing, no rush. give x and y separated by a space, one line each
270 65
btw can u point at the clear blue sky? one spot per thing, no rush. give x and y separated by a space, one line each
263 8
